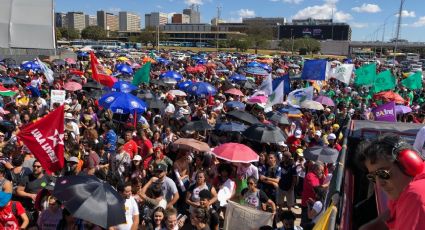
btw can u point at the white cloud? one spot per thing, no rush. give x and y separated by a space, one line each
197 2
367 8
288 1
420 22
323 12
114 10
358 25
246 13
159 6
407 14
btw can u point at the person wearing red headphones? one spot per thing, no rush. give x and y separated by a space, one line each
399 171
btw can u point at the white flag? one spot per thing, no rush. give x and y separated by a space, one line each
342 72
267 85
299 95
276 97
46 71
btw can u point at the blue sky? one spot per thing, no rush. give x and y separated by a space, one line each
366 17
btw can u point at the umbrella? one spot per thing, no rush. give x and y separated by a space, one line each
278 118
30 65
235 152
325 100
211 65
90 199
201 125
256 71
72 86
122 103
249 85
235 104
243 116
76 72
234 91
222 71
258 99
390 96
59 62
8 61
123 86
135 66
321 153
402 109
264 134
184 85
201 62
7 81
82 54
177 92
266 67
254 64
125 69
237 78
92 85
146 95
162 61
202 89
189 144
309 104
22 77
172 74
230 127
70 61
155 104
122 59
96 94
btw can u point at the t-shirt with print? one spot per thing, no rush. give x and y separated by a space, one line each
255 199
131 209
8 220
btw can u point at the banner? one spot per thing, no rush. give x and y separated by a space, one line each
384 81
299 95
365 74
44 138
239 217
314 70
413 81
57 96
342 73
385 112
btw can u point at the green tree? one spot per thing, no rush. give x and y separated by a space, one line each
308 45
69 33
58 34
93 32
259 33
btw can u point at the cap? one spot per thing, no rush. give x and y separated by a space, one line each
331 136
300 152
73 159
298 133
137 158
282 143
318 133
161 167
335 126
69 116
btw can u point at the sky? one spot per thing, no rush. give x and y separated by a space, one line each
370 20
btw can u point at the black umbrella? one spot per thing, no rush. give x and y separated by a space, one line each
155 104
7 81
8 61
96 94
243 116
321 153
278 118
92 85
91 199
58 62
22 77
201 125
248 85
146 96
230 127
264 134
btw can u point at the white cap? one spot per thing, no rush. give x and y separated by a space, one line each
328 110
69 116
137 158
298 133
282 143
318 133
331 136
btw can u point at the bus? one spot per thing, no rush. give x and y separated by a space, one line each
364 54
399 57
106 44
412 57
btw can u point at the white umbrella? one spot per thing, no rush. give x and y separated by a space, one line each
309 104
177 92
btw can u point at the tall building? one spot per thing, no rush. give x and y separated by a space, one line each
155 19
60 20
180 19
76 20
112 22
194 14
129 21
91 20
101 19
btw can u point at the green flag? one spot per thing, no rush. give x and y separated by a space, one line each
142 75
384 81
365 74
413 81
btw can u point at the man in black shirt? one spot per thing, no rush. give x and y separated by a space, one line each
205 197
287 182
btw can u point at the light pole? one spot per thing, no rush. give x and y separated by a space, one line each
398 26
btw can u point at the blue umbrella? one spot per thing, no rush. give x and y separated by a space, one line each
172 74
202 89
162 61
125 69
237 77
123 86
122 103
235 104
82 54
266 67
254 64
201 62
184 85
196 58
230 127
289 110
30 65
256 71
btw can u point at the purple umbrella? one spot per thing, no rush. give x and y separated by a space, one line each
325 101
402 109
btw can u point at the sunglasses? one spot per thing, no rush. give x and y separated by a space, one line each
36 166
381 173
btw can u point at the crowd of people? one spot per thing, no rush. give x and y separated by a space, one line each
169 186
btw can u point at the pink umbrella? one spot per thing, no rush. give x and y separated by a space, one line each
70 61
235 152
72 86
325 101
234 91
258 99
135 65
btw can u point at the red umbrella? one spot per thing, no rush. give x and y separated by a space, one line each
200 68
191 69
72 86
70 61
389 96
235 152
234 91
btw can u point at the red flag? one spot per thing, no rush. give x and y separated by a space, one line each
99 73
44 138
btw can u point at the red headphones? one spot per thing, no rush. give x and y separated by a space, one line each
410 161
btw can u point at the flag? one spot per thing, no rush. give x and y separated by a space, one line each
342 73
152 55
365 74
35 91
267 85
5 92
414 81
44 138
299 95
99 72
46 71
384 81
142 75
276 97
314 70
385 112
286 83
